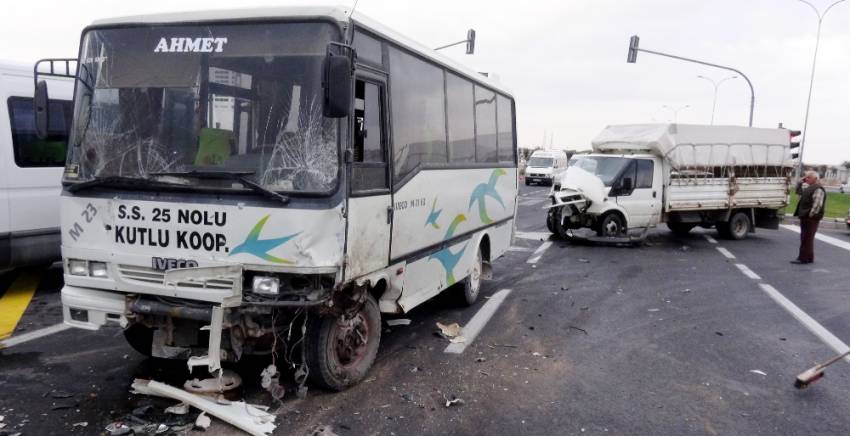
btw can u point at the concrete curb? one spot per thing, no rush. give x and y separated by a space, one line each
826 223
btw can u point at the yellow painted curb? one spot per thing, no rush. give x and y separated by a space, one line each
15 301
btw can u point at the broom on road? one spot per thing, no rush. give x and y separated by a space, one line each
815 373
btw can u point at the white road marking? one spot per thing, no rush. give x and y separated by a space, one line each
813 326
726 253
520 249
478 321
536 236
747 272
35 334
828 239
532 201
539 252
710 239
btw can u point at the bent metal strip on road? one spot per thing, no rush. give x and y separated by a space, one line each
35 334
478 321
538 253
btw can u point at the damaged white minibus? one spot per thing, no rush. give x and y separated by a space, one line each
264 171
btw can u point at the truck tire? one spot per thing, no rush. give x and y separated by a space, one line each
339 352
680 229
140 337
737 227
550 221
611 224
468 293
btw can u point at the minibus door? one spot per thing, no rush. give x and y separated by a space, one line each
370 201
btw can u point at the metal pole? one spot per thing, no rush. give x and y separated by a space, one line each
681 58
716 87
812 79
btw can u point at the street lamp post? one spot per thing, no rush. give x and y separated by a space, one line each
675 111
812 78
716 85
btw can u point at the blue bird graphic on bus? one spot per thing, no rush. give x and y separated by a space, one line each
255 246
448 259
484 190
433 215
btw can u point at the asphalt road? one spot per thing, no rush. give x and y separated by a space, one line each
671 337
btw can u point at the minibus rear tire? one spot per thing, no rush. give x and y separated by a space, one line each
472 282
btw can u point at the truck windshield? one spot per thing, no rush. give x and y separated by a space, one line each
605 167
212 98
540 162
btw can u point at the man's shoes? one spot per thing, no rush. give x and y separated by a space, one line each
799 262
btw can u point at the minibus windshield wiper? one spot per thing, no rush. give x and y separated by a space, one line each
114 180
239 176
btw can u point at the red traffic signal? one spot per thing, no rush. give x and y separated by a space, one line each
794 144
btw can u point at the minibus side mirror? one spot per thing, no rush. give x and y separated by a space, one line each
338 83
41 105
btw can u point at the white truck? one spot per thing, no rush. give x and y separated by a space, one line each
545 166
30 168
728 177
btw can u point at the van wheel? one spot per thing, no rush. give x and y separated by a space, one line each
340 350
472 282
140 337
611 225
737 227
550 221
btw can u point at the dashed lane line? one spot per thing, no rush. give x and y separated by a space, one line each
747 272
520 249
710 239
33 335
478 321
539 252
15 301
725 253
821 237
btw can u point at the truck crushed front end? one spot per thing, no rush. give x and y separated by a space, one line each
578 198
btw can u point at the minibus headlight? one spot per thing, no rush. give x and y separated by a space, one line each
77 267
97 269
266 285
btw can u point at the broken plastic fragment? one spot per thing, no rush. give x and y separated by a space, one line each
203 421
117 429
226 381
758 371
80 424
451 330
398 321
178 409
453 401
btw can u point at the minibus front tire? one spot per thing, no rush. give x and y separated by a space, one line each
339 350
140 337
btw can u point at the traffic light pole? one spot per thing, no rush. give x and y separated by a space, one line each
752 91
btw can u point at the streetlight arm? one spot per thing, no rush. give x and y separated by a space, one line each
752 91
451 45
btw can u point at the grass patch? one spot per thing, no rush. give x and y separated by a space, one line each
837 204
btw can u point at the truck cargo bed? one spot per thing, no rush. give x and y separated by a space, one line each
712 193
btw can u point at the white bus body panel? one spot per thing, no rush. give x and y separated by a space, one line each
368 235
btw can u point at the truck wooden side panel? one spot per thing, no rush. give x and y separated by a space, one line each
701 194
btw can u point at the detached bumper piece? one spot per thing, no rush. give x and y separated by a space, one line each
90 309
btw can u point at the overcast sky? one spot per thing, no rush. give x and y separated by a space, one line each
565 60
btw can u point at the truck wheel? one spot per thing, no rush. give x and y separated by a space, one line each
612 224
140 337
550 221
340 351
680 229
472 282
737 227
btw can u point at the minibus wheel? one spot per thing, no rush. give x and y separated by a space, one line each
472 282
339 350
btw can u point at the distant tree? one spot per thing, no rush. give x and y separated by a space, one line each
846 164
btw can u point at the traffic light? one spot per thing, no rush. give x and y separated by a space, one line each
470 41
794 144
633 49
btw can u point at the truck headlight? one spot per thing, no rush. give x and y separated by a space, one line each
77 267
97 269
266 285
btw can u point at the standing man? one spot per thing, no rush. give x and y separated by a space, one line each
809 212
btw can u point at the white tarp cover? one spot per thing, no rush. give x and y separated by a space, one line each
689 146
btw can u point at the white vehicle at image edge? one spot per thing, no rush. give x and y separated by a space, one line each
30 168
545 166
232 171
728 177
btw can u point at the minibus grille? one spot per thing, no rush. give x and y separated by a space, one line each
150 276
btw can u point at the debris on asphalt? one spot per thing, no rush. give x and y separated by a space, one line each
453 332
60 394
758 371
59 405
652 310
82 424
565 288
718 333
454 400
577 328
398 321
480 359
503 345
536 354
178 409
118 428
227 380
323 430
142 411
246 417
685 248
203 422
582 260
686 291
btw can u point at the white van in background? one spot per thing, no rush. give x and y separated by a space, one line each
30 168
545 166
